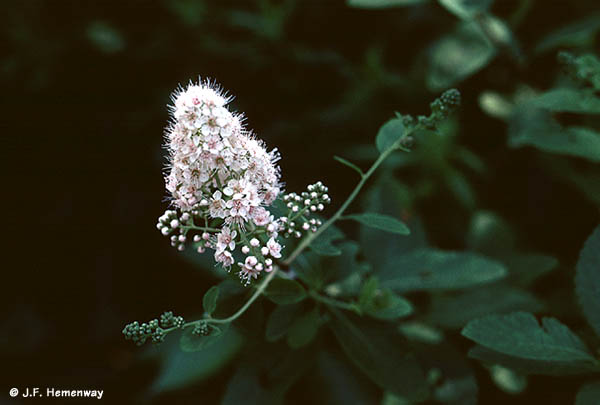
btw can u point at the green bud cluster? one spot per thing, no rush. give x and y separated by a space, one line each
201 329
441 108
168 320
153 330
444 105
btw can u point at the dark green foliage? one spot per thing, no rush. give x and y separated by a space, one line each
389 133
282 291
323 244
499 185
379 221
550 347
380 356
587 281
432 269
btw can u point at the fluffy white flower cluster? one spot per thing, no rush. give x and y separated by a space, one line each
222 180
215 163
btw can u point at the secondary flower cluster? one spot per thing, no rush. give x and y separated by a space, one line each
302 209
221 180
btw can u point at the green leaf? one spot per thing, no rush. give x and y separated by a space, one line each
379 354
341 267
179 369
284 291
587 280
304 329
534 127
382 303
389 133
568 100
380 221
280 321
209 301
349 164
383 249
580 34
588 394
520 335
458 55
455 311
190 342
529 366
432 269
317 271
383 3
525 268
368 291
466 9
345 271
323 246
388 306
309 268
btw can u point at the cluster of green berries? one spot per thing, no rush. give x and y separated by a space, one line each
201 329
441 108
153 330
168 320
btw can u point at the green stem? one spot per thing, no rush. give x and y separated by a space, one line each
332 302
261 288
311 237
199 228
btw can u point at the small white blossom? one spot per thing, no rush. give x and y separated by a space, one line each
226 239
224 257
274 248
